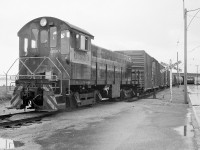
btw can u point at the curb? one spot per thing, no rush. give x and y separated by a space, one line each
195 113
196 116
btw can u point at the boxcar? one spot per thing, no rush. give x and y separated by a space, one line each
148 69
190 80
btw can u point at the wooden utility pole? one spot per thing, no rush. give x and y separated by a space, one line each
185 56
177 72
185 11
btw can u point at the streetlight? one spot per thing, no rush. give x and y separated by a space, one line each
185 11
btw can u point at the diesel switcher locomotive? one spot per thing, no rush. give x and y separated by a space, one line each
60 68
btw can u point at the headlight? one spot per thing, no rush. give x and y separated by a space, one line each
43 22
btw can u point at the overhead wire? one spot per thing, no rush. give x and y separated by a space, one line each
197 17
193 16
194 48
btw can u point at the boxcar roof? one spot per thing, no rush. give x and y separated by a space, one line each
73 27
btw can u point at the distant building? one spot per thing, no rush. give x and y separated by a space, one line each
195 76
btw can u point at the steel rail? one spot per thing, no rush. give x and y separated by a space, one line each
5 122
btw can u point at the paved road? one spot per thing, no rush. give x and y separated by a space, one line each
194 99
153 124
194 94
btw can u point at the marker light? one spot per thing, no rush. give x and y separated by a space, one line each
43 22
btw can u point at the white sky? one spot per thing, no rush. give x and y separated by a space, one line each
155 26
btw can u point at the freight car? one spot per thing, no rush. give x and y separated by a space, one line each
59 67
148 69
190 80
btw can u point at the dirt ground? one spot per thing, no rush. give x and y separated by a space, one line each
27 136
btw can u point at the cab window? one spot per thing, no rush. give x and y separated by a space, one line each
25 46
53 37
81 42
43 36
34 38
65 36
86 43
77 41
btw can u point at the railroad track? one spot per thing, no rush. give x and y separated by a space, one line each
19 119
143 96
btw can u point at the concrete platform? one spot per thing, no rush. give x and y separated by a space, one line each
194 101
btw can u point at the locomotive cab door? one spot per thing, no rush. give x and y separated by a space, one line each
48 40
65 44
44 49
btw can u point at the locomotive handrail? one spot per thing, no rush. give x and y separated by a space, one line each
54 65
39 65
44 58
21 67
43 61
9 70
33 73
34 76
67 74
12 65
63 68
26 66
36 68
